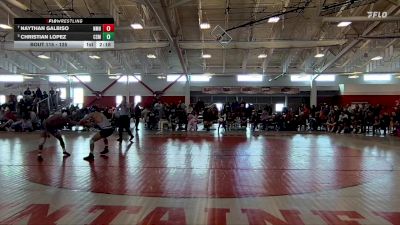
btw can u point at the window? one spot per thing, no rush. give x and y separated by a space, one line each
326 77
300 78
19 97
377 77
63 93
2 99
199 78
118 100
132 79
78 97
279 107
11 78
250 78
137 99
171 78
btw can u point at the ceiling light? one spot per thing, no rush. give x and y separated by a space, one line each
354 76
262 56
250 77
5 26
319 55
28 77
206 56
81 78
204 26
398 77
172 78
326 77
112 77
161 77
343 24
377 77
57 79
137 26
274 19
11 78
94 57
300 77
208 74
199 78
43 57
377 58
151 56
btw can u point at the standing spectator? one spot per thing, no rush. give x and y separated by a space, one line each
199 106
12 102
124 120
52 98
58 96
385 122
45 95
27 92
39 94
138 114
189 109
22 110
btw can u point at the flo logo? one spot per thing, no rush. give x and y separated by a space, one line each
376 14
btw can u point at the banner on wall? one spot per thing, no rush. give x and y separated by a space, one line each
250 90
212 90
230 90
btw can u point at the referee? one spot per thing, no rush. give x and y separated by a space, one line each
124 120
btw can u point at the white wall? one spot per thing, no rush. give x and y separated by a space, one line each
370 89
356 86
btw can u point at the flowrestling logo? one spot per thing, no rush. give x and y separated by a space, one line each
377 14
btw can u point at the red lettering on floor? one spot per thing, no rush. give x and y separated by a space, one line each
6 205
110 212
392 217
333 217
176 216
259 217
38 214
216 216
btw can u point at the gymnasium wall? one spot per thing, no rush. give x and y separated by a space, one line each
351 90
383 94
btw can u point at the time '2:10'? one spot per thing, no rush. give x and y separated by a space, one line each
104 44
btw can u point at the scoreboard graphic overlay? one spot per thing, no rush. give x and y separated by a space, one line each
63 33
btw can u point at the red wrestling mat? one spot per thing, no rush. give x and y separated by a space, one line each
224 167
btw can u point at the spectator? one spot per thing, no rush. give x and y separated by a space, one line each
27 92
45 95
137 114
39 94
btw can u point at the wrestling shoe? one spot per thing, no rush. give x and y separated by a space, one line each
90 157
66 154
